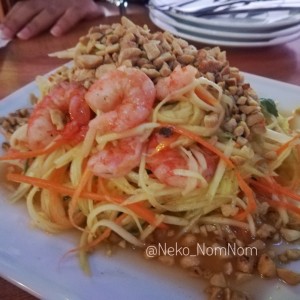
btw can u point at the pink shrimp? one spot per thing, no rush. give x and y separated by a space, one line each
62 112
162 163
117 159
179 78
124 98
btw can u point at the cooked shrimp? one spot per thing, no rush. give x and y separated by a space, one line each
162 163
178 79
118 158
123 98
63 111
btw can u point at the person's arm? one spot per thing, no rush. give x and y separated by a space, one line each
30 17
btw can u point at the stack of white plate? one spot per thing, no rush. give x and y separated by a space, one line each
232 30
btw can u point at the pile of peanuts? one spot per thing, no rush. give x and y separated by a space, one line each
107 47
13 121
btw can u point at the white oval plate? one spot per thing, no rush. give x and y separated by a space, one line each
222 42
259 22
32 259
222 33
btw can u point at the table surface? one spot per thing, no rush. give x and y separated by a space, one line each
22 61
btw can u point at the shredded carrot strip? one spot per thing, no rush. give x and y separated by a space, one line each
140 210
287 144
58 174
270 188
49 185
205 95
275 187
285 205
251 203
106 233
33 153
201 141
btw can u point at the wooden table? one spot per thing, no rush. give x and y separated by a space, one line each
22 61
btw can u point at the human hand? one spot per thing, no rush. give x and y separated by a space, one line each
31 17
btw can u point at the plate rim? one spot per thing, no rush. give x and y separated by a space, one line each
214 22
225 43
222 33
58 293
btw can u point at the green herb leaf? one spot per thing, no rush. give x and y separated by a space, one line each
268 107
